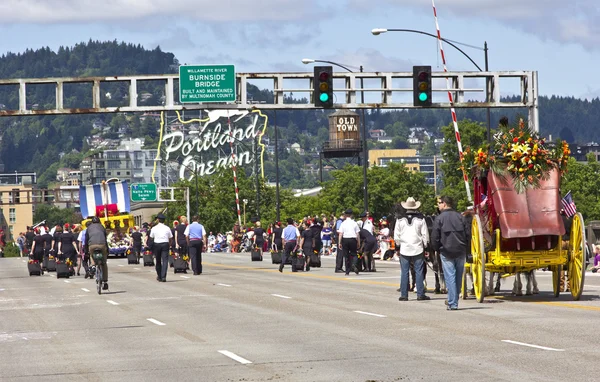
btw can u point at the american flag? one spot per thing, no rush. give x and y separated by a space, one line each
569 205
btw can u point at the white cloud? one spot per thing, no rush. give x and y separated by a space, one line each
564 21
83 11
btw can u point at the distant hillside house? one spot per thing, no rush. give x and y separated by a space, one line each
296 147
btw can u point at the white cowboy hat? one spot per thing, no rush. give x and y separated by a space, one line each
411 204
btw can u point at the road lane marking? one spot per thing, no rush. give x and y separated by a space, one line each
2 289
225 285
369 314
85 289
112 302
137 269
24 261
531 346
67 281
371 278
185 277
234 357
121 265
280 295
156 322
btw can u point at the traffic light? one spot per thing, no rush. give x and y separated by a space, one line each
422 85
323 86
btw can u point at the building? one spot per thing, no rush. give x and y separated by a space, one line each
429 165
129 162
16 213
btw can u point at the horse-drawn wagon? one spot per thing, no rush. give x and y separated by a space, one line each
517 225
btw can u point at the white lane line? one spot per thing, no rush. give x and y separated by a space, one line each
156 322
67 281
234 357
24 261
532 346
112 302
280 295
85 289
369 314
2 289
372 278
121 265
185 277
225 285
137 269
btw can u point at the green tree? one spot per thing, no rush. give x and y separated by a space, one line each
473 134
54 215
583 180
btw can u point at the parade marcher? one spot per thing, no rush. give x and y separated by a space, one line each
29 235
162 238
84 256
174 232
196 240
367 223
316 229
349 241
37 248
449 237
136 240
58 230
367 248
412 236
290 236
307 243
259 237
276 239
180 240
67 245
237 237
95 239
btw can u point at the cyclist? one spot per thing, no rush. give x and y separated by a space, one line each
95 238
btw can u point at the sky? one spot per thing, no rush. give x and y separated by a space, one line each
558 38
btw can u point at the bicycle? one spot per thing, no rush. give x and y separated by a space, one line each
98 260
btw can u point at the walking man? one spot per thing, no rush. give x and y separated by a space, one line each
412 236
162 238
349 239
290 236
196 240
449 237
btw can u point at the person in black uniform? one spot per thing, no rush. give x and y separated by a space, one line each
56 238
307 241
66 245
179 236
276 237
136 238
37 248
47 244
259 237
29 238
367 248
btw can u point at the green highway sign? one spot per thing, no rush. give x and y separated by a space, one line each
143 192
207 83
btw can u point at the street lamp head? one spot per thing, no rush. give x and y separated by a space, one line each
378 31
307 61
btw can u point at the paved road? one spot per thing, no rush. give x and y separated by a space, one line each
244 321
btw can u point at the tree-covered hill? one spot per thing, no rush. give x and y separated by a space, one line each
37 143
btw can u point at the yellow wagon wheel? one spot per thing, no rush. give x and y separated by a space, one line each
577 259
478 252
556 271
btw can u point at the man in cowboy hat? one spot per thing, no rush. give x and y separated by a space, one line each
412 236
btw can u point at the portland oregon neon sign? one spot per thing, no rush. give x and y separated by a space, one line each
219 142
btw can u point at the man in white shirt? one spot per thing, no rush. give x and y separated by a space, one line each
412 236
367 223
162 237
349 242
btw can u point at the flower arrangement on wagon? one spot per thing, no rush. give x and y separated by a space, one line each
520 153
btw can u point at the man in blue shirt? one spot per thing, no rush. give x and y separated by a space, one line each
290 236
196 240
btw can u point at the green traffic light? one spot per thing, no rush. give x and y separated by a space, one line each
324 97
422 97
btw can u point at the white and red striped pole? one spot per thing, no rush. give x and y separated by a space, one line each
233 167
450 98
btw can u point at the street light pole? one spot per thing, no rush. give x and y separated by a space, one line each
365 163
378 31
245 202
